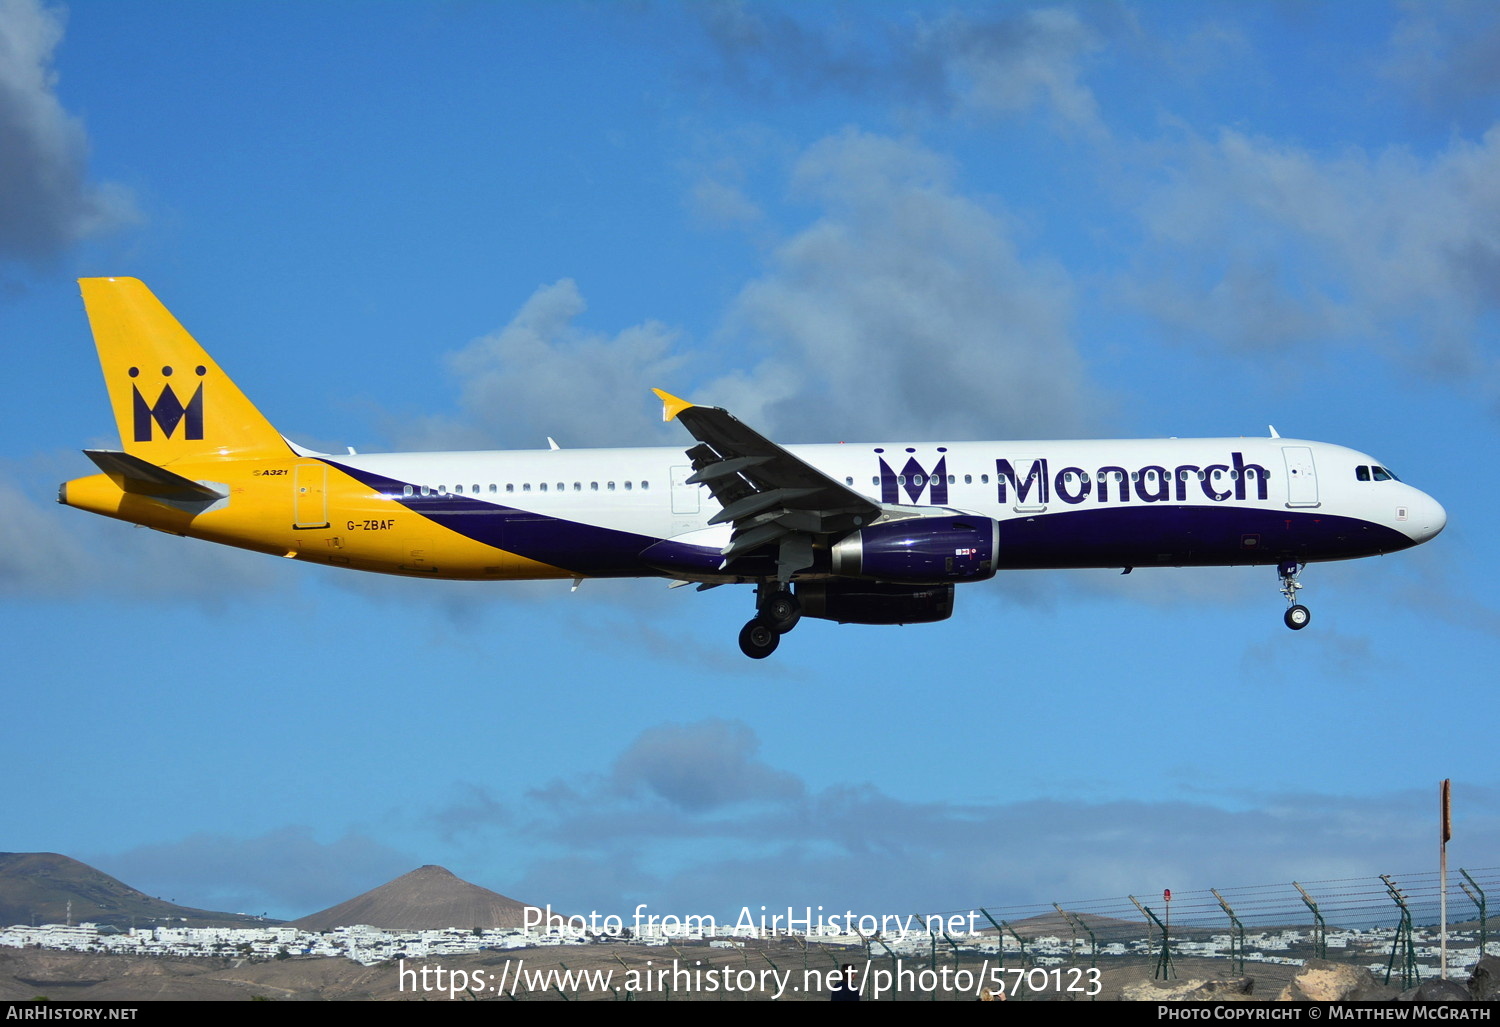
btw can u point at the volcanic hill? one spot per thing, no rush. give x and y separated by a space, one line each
35 887
428 898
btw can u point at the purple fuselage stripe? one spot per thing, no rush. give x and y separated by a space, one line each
584 548
1187 536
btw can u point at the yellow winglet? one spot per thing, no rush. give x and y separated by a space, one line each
671 405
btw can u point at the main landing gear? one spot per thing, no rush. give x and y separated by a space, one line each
777 611
1297 615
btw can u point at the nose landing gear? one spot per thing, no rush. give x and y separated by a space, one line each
1297 616
777 611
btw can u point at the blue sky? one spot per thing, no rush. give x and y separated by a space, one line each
474 225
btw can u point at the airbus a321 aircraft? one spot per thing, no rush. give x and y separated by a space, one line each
865 534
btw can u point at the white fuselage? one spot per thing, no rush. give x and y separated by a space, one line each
1058 503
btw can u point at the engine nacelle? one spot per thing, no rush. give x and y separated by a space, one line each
873 602
951 547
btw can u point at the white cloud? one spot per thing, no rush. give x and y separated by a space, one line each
541 375
1264 245
1447 53
1002 64
1016 63
723 203
46 202
702 767
906 308
748 832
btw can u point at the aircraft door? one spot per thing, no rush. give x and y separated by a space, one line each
1301 476
1030 486
310 496
685 497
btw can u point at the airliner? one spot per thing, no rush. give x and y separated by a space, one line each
866 534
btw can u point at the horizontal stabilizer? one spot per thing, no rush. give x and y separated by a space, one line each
143 478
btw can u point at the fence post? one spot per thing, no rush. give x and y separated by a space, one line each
1236 948
1078 924
1483 932
1403 939
1320 929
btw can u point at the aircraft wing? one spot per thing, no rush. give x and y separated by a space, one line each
770 496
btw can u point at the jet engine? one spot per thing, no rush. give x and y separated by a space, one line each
874 602
920 550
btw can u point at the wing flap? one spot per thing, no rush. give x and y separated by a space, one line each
724 468
752 539
768 494
756 502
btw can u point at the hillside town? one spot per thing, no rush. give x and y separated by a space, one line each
370 945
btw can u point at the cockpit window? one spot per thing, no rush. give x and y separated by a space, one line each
1362 473
1381 474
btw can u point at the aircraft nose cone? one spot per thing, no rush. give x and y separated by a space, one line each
1427 518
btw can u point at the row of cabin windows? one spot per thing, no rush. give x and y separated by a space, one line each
1070 477
562 486
1363 473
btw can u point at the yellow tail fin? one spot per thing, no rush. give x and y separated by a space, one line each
170 399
